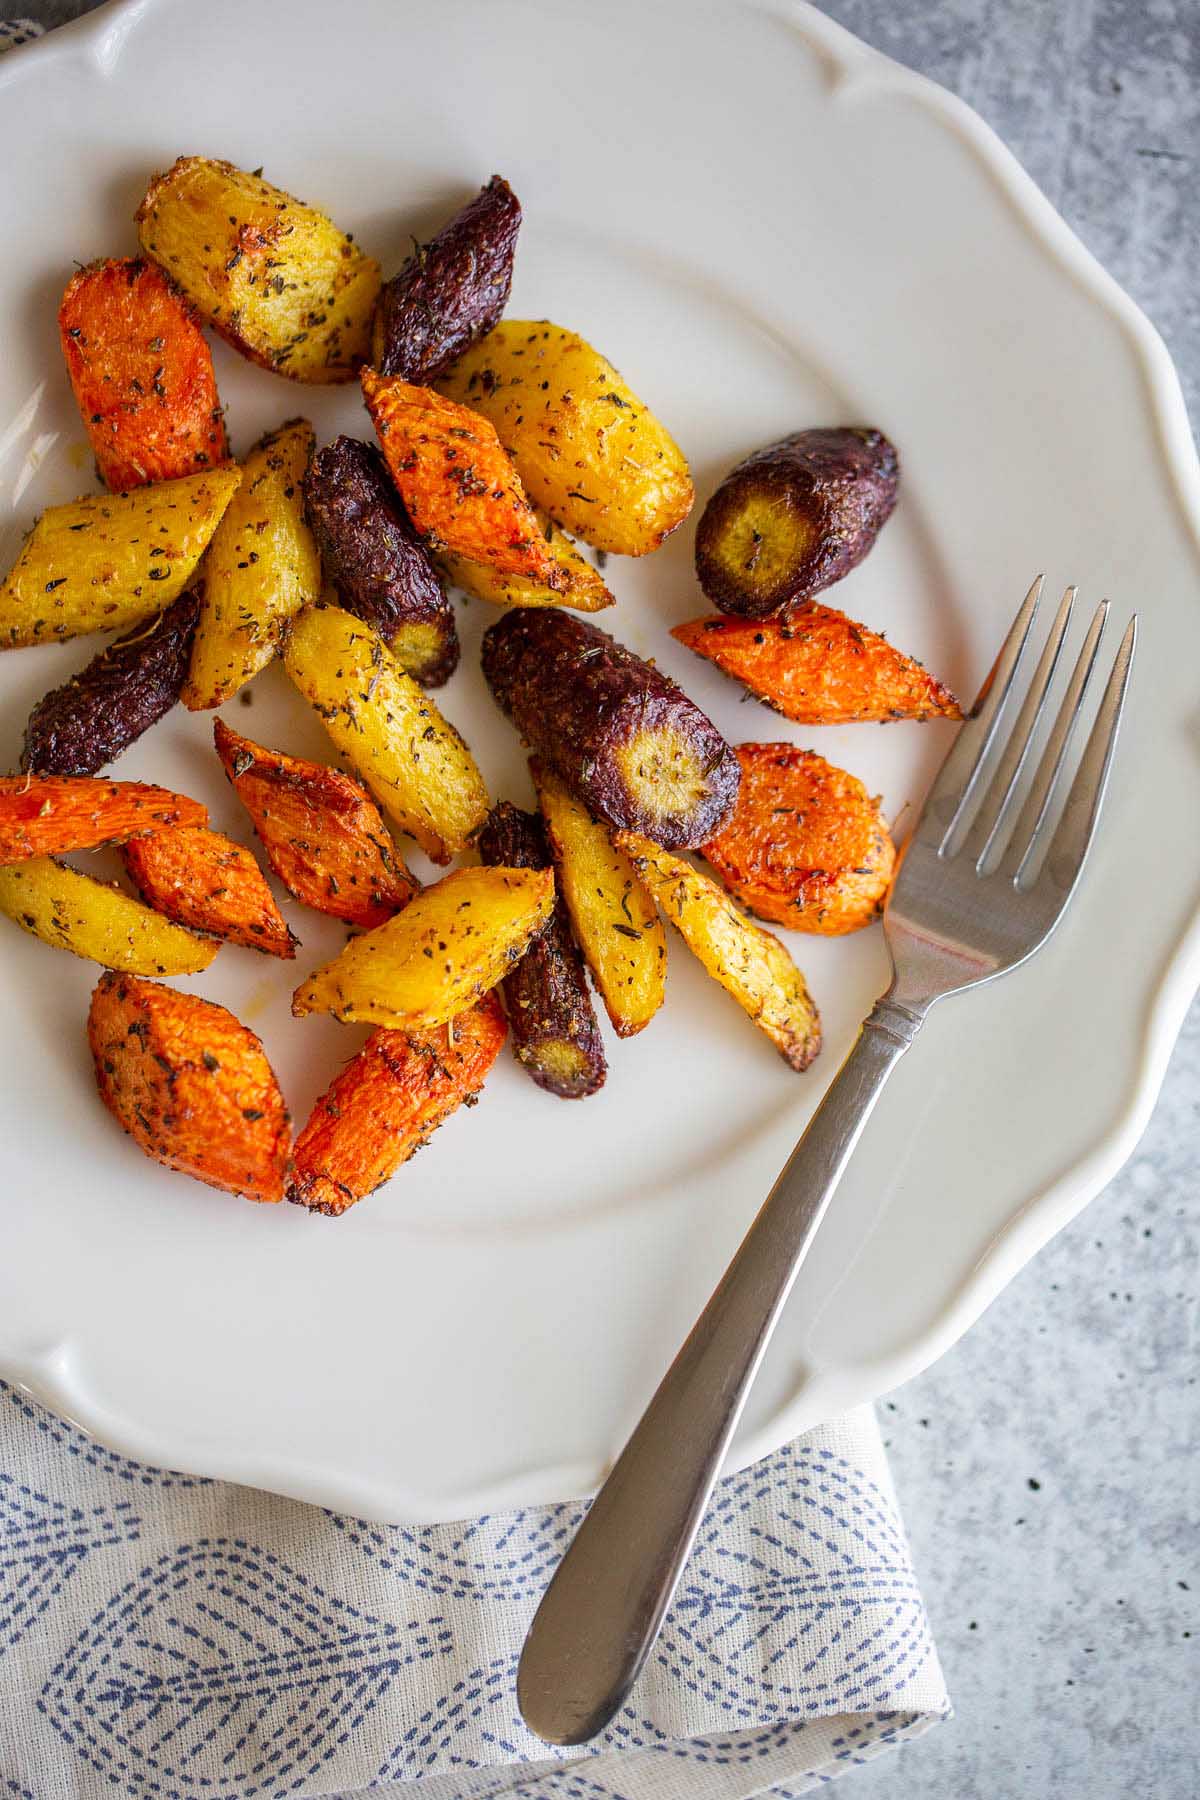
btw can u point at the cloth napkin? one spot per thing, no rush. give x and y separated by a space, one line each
169 1638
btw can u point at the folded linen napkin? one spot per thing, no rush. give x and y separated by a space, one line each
163 1636
166 1638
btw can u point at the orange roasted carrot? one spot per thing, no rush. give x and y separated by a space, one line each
190 1084
200 878
457 483
142 373
322 833
387 1102
805 846
45 815
819 668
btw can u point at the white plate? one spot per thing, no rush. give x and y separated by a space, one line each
766 226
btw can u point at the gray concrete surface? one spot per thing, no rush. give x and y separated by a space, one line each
1047 1466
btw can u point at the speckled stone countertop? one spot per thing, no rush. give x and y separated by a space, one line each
1047 1466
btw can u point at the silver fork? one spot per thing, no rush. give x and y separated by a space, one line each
984 881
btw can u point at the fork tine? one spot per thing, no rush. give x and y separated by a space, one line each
1003 784
1075 829
958 776
1037 800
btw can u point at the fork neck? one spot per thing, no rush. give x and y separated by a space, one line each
896 1021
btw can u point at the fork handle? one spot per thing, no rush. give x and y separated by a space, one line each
603 1609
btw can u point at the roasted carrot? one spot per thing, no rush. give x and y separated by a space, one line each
128 687
190 1084
388 728
200 878
615 920
142 373
555 1036
322 833
447 949
72 911
45 815
806 846
387 1102
819 668
457 483
275 277
795 517
260 568
108 562
748 962
623 736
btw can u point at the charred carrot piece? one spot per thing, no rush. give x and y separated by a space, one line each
624 737
451 290
190 1084
457 483
820 668
387 1102
142 373
202 879
795 517
45 815
132 684
806 845
554 1032
322 833
381 571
